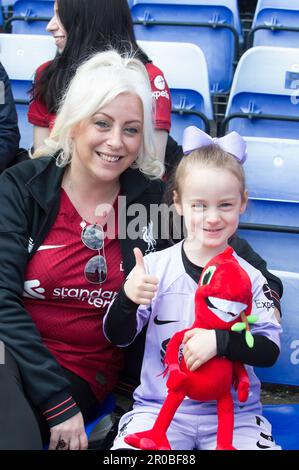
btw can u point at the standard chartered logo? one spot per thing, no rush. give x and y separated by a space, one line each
32 290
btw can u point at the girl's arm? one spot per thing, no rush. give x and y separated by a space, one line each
266 332
244 250
233 346
120 322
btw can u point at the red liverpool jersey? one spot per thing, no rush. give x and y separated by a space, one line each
68 310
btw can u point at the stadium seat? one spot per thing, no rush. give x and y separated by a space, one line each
30 16
231 4
271 173
207 26
276 23
20 63
264 94
191 99
284 420
281 250
97 429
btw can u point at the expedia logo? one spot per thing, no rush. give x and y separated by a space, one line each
158 94
267 292
159 82
265 304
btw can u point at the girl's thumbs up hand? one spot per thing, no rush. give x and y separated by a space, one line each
140 287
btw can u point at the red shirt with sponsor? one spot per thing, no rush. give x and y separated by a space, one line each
38 114
68 310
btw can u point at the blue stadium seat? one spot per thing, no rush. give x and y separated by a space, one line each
20 63
191 99
97 429
271 172
30 16
264 94
231 4
281 250
206 26
276 23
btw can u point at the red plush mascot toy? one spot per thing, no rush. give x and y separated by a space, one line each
222 299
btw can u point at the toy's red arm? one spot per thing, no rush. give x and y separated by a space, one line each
241 381
172 356
176 377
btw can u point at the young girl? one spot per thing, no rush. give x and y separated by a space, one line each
209 192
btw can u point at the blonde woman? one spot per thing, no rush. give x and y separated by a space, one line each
59 268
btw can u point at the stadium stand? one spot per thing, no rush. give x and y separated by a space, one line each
191 99
275 23
20 63
29 17
206 26
263 96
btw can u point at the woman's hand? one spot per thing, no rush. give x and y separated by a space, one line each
69 435
199 346
140 287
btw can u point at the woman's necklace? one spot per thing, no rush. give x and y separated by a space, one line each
99 213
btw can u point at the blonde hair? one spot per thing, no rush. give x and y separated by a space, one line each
210 156
96 83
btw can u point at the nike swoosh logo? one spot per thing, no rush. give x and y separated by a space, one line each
261 446
163 322
49 247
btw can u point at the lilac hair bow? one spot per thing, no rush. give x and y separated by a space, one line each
233 143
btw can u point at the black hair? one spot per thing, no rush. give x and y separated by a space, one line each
91 26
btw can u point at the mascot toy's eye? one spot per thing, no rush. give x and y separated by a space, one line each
207 276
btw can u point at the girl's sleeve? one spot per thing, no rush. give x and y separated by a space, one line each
266 332
244 250
124 319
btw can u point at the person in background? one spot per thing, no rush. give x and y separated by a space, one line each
81 28
9 131
61 264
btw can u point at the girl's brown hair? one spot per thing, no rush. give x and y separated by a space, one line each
211 156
